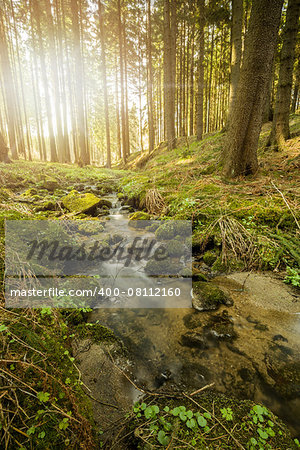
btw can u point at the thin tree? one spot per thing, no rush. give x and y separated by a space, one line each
104 81
169 69
9 88
200 97
236 48
35 11
79 93
245 120
280 127
150 79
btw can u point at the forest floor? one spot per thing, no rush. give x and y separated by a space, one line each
246 224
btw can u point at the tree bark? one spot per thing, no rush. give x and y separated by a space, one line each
296 88
169 69
200 96
150 80
79 93
245 120
280 127
104 80
236 48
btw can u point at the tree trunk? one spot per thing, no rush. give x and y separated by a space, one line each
9 90
236 48
201 6
296 88
150 80
123 114
79 94
103 57
3 150
35 9
245 120
280 127
169 69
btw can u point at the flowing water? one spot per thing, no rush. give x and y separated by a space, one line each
249 350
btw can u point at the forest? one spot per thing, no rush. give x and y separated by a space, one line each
169 122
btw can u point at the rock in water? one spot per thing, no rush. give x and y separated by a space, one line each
81 203
207 297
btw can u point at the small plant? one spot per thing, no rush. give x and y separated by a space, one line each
227 414
292 277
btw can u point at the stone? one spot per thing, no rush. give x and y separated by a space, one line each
80 203
207 297
50 184
194 339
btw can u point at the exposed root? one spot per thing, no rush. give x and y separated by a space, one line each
155 203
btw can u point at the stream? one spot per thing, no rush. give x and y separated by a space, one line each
249 350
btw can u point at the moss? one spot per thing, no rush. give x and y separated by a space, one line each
30 192
239 424
209 257
208 297
165 267
80 203
50 184
46 206
171 229
5 194
175 248
139 219
96 332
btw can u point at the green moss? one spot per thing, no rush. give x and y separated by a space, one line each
80 203
208 297
209 257
175 248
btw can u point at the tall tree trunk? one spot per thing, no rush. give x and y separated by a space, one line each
56 83
123 113
9 89
150 80
245 120
79 94
201 6
35 10
119 145
169 69
236 48
296 88
192 80
104 80
280 127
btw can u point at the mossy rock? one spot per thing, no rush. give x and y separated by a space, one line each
30 192
171 229
207 297
194 339
139 219
50 184
80 203
5 193
165 267
104 203
120 196
220 327
209 257
46 206
175 248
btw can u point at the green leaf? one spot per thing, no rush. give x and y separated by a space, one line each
166 409
201 421
189 414
43 396
182 416
207 415
162 438
253 441
42 434
175 411
263 434
191 423
3 328
30 431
